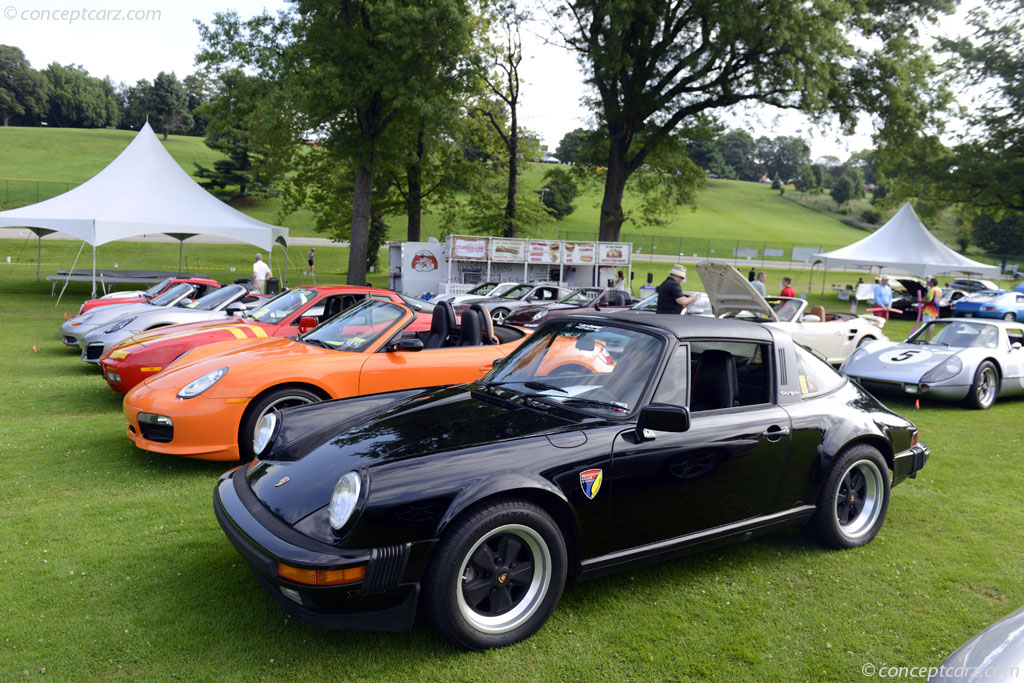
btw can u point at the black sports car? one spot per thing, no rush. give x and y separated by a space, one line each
908 304
602 442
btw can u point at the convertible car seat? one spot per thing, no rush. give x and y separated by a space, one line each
486 323
820 312
332 308
714 383
471 329
441 323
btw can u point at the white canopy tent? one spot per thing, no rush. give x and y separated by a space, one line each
904 244
142 191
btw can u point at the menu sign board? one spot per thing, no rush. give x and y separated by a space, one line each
543 251
613 254
507 250
580 253
469 248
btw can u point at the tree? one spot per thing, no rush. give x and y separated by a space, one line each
1002 235
737 148
559 192
199 90
657 63
78 100
134 103
22 88
842 190
168 105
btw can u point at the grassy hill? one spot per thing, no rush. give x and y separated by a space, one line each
42 162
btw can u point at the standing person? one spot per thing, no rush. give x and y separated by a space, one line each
751 275
670 295
758 283
570 277
620 282
787 288
309 257
931 301
260 273
883 296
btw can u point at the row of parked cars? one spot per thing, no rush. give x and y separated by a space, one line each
469 467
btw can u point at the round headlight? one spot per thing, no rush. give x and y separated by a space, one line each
196 387
264 431
948 369
344 499
118 325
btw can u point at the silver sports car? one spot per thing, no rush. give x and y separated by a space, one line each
217 305
74 328
949 358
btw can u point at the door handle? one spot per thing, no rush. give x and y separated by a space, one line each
775 432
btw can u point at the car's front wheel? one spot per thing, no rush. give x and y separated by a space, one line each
853 500
496 576
1011 316
277 399
985 387
499 315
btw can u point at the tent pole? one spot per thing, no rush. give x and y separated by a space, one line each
94 271
39 253
285 283
181 244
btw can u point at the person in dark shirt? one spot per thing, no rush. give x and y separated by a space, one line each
670 295
751 275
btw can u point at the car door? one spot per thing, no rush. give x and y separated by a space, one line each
723 470
1013 362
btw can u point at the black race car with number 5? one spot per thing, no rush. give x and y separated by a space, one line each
601 443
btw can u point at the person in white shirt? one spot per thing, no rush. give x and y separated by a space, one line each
260 273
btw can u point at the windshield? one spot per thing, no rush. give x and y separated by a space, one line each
517 292
281 306
218 298
785 309
418 305
481 290
173 294
356 328
582 365
581 297
156 289
957 334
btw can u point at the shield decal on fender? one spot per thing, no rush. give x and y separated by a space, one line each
590 481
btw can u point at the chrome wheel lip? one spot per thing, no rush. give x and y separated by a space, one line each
535 594
299 401
987 386
864 522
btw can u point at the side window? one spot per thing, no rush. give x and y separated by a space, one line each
1016 335
729 375
815 375
672 387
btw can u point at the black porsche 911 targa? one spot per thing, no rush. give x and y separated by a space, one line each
601 443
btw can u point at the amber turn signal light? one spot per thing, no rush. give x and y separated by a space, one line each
322 577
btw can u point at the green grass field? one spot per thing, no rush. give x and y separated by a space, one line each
113 566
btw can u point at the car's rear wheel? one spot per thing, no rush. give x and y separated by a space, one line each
985 387
867 339
277 399
853 500
499 315
1011 316
496 576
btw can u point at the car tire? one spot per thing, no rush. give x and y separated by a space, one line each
479 597
853 499
1010 316
985 387
276 399
498 315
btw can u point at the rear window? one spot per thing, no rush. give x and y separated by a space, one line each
814 374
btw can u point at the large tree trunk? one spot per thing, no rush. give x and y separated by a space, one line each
7 117
614 187
513 174
414 199
360 237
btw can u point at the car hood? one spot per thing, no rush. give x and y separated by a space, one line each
446 421
730 292
898 361
105 314
195 328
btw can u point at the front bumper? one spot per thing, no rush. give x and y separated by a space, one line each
909 462
204 428
384 601
945 391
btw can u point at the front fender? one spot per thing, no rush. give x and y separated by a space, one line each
504 484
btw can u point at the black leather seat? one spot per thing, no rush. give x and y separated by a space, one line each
714 383
471 329
487 324
333 307
441 323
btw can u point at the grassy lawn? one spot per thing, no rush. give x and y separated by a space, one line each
113 566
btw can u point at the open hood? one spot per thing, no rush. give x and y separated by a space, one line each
731 293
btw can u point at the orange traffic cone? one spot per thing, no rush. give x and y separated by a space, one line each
36 349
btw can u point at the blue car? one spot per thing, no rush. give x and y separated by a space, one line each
999 304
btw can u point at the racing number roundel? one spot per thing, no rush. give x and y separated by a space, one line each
590 481
904 355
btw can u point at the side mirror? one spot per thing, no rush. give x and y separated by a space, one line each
410 344
306 323
236 308
810 318
660 417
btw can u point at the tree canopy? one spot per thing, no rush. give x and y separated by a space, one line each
22 88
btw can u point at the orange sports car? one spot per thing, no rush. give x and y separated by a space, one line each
208 405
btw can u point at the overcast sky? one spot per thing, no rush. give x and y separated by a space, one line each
130 39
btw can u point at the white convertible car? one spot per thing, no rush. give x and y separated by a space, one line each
834 335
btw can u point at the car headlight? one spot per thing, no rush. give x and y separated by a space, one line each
538 315
264 432
198 386
118 325
344 499
947 369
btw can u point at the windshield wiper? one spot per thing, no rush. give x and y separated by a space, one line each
595 402
316 342
541 386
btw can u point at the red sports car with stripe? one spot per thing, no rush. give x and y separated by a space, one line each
291 312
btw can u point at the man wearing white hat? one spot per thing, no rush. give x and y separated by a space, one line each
670 295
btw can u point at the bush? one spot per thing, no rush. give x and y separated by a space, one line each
870 216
